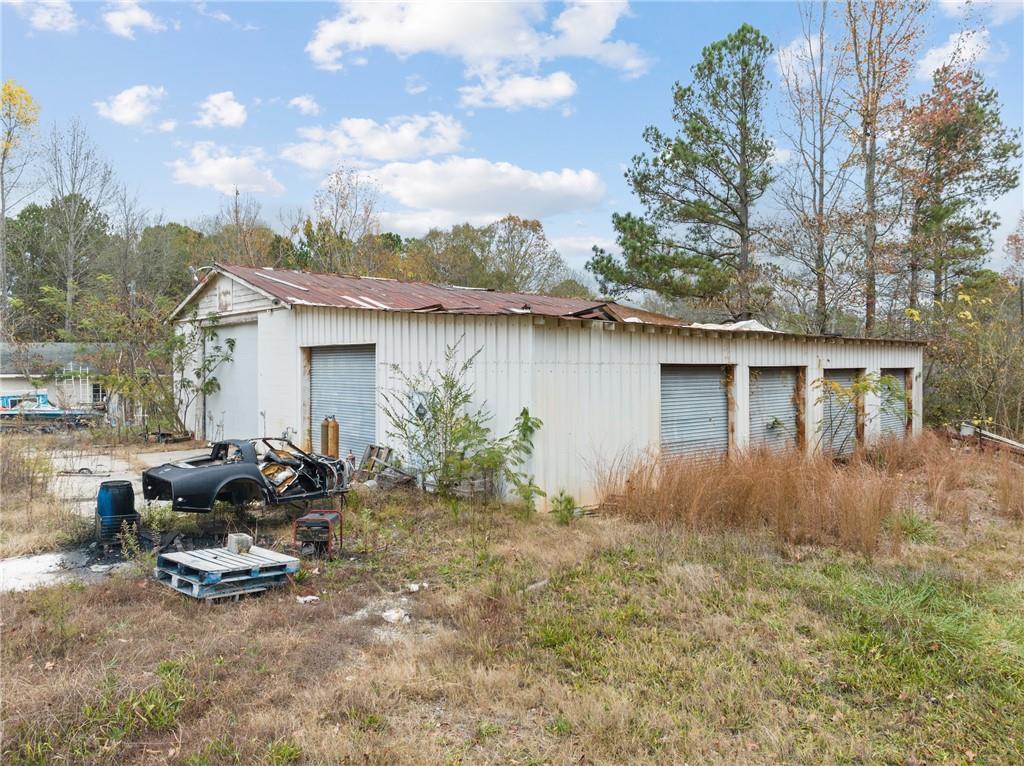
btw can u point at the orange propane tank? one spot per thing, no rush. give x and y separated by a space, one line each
332 437
325 436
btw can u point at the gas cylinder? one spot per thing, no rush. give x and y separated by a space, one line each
325 436
332 437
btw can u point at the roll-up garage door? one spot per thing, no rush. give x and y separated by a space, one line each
694 411
773 410
893 415
839 429
343 385
232 411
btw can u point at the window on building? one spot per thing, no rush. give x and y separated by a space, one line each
99 393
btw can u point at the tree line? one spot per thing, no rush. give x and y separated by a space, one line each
94 239
880 211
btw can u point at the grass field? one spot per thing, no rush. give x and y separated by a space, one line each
614 639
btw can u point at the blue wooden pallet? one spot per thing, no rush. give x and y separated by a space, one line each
213 565
233 588
212 573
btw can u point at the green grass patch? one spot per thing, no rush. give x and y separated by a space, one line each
912 527
115 716
888 662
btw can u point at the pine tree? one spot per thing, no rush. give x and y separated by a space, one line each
699 186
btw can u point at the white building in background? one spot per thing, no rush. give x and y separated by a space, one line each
62 370
608 381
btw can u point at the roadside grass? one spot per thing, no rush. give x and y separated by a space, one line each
609 640
726 653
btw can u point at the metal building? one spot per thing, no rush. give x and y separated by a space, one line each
608 381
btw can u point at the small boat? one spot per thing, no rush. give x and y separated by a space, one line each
33 409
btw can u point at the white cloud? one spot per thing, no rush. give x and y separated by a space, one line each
306 104
217 15
997 11
131 106
780 155
414 85
361 139
792 60
482 35
577 249
971 46
518 91
583 29
211 166
47 15
221 110
167 126
124 16
458 189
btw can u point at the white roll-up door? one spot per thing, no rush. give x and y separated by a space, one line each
773 408
694 411
343 384
232 412
839 428
893 416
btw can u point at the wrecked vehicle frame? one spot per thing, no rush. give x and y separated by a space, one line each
242 471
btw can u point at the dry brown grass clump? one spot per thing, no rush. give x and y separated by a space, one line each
31 518
803 499
1008 489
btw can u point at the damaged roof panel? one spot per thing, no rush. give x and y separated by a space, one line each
304 288
336 291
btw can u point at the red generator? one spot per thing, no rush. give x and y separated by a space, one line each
318 532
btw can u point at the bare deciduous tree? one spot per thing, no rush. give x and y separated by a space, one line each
882 37
344 213
81 187
813 184
128 221
520 257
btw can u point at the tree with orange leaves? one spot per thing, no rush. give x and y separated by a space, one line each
953 154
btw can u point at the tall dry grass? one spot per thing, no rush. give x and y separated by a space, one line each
32 518
1008 487
802 499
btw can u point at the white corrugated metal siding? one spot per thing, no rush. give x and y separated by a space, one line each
773 410
694 411
839 427
232 412
596 385
343 385
500 373
892 417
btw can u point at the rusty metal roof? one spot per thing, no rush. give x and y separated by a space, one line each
303 288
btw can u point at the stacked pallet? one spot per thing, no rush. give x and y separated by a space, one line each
213 573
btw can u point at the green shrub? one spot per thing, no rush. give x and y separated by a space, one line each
563 506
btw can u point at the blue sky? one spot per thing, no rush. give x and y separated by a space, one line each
459 113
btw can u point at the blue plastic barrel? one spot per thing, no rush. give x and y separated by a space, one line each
115 505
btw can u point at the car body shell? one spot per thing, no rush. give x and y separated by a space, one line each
232 473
